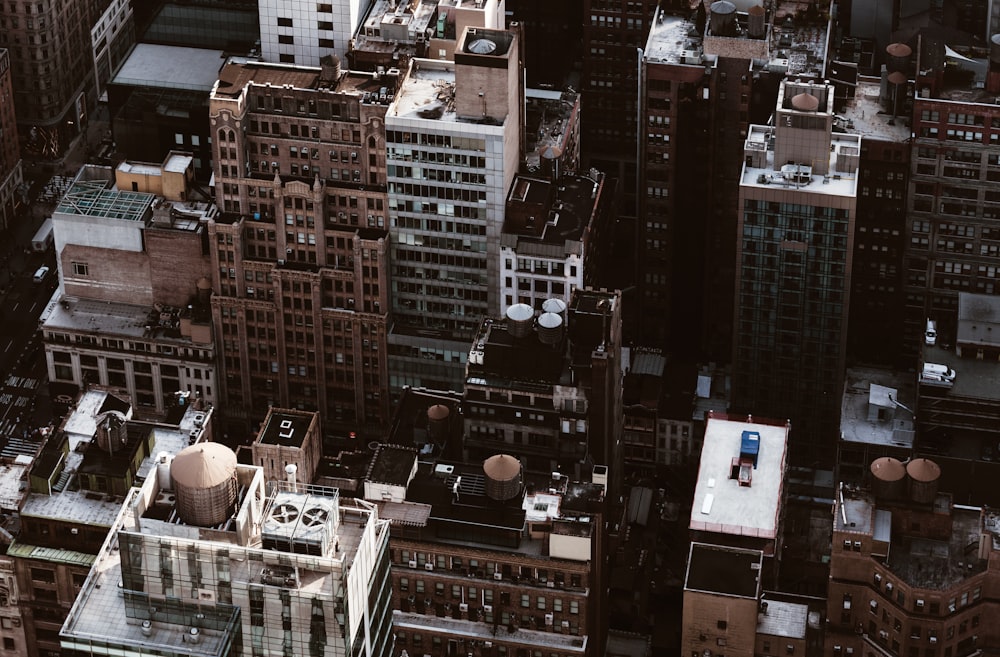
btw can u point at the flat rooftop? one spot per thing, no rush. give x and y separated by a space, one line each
550 119
553 213
974 378
670 37
564 643
428 93
171 67
863 115
724 570
370 36
978 315
286 429
866 387
110 319
784 619
720 503
240 72
933 564
392 464
770 177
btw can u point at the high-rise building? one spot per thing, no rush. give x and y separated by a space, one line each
300 252
11 174
454 143
736 533
61 58
78 481
796 227
304 32
201 561
548 390
132 266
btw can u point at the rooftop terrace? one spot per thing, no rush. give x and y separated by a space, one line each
776 175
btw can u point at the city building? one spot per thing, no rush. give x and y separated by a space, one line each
548 390
59 59
551 132
77 482
488 560
158 102
553 37
202 560
289 439
879 112
554 236
736 534
232 25
11 173
394 32
798 196
952 202
304 32
454 143
910 569
122 237
300 252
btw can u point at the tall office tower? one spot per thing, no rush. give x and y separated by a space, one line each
302 33
78 480
797 196
613 36
736 535
875 328
205 560
548 390
300 252
553 34
61 57
11 174
488 559
454 142
394 31
952 204
133 269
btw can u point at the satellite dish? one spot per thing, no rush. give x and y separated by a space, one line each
482 46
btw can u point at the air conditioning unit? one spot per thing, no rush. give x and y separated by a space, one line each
549 618
565 625
487 609
498 576
550 584
487 644
463 607
428 566
413 563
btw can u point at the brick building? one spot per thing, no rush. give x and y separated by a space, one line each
300 252
11 175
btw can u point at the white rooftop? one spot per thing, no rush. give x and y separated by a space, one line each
770 176
723 505
866 386
174 67
13 483
785 619
669 36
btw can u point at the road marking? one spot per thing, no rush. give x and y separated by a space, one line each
15 306
7 348
33 306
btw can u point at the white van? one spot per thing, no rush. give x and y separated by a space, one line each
936 373
41 273
930 334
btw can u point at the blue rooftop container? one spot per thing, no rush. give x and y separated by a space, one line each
750 446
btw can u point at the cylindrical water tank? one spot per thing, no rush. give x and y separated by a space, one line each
520 318
554 305
757 22
722 18
888 478
804 102
204 478
550 328
437 422
924 475
112 431
503 477
898 57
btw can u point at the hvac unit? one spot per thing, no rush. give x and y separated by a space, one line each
498 576
429 566
463 607
413 563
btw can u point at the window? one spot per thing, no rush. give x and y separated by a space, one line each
286 39
285 22
81 269
721 624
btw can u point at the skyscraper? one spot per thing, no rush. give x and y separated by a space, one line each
304 32
10 154
796 230
453 144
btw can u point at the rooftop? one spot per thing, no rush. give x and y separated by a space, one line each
724 570
774 175
392 465
672 39
565 643
431 431
550 119
288 429
726 505
114 319
93 196
395 26
428 93
238 73
13 482
554 213
784 619
978 315
863 115
939 564
868 414
974 378
173 67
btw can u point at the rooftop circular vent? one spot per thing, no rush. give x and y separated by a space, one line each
482 46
